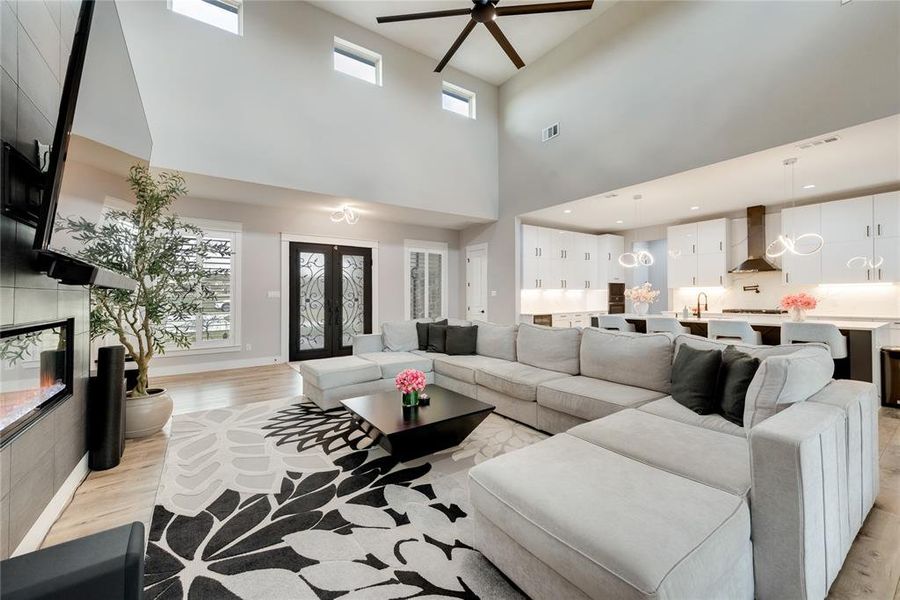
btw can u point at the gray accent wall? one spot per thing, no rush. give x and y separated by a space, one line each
655 88
35 39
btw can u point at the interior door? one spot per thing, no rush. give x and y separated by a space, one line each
330 299
476 283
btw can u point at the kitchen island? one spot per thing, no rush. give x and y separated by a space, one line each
864 338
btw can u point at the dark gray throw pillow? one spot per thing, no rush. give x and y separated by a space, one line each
735 375
461 339
694 376
437 337
422 332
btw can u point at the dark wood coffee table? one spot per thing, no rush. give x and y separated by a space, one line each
444 423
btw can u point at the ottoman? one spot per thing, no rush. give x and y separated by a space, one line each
327 381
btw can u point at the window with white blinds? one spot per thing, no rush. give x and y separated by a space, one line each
216 325
426 285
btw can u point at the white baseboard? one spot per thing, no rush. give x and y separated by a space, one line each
35 536
157 370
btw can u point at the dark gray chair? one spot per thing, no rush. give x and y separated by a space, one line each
109 564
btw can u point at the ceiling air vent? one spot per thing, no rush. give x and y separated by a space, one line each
819 142
550 132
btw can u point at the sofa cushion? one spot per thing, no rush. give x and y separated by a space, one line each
400 336
667 407
326 373
638 359
550 348
694 379
422 332
784 379
461 340
735 374
391 363
613 526
497 341
703 455
588 398
515 379
463 367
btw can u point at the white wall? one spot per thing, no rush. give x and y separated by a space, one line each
268 107
652 89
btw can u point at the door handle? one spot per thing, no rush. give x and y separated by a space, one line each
879 229
868 273
720 246
879 273
867 230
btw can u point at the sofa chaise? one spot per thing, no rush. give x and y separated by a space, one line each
638 496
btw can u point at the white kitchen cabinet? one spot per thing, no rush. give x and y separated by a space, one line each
682 240
712 236
795 222
582 274
847 262
887 214
712 269
609 248
558 259
886 266
847 220
698 254
540 267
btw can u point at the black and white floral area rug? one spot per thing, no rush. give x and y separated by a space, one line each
276 501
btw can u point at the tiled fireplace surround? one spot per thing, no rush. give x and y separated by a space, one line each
35 464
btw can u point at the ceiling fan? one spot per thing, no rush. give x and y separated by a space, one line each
487 11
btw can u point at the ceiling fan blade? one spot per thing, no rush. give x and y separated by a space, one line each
424 15
546 7
462 37
504 43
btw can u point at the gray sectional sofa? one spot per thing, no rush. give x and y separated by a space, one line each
638 496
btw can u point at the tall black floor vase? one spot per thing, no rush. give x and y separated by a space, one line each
106 409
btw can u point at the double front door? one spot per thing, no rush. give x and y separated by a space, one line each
330 299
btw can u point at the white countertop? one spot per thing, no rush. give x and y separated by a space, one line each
771 320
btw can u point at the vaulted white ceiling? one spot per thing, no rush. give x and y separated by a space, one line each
531 35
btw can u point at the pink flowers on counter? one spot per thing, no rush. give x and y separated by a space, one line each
802 301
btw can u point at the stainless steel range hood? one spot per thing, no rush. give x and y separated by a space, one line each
756 243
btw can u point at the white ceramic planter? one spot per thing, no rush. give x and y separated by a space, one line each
148 414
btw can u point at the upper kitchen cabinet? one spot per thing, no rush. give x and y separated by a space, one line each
887 214
698 254
847 220
609 248
559 259
795 222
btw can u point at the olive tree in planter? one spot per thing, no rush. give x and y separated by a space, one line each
167 257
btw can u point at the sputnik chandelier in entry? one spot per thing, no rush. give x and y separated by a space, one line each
345 214
805 244
641 258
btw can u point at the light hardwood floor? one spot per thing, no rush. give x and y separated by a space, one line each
127 493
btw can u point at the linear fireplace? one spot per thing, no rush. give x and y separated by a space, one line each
36 372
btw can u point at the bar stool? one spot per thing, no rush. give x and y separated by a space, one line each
733 330
822 333
665 325
615 322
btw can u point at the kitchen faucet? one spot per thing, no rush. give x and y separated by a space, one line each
705 303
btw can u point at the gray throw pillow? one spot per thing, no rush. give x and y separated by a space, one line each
400 336
461 340
694 376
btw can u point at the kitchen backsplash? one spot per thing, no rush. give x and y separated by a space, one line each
538 302
851 300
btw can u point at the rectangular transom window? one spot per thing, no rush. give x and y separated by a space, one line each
357 61
224 14
458 100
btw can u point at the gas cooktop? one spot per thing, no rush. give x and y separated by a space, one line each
754 311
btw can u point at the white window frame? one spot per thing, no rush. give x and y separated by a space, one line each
410 246
356 52
460 93
238 4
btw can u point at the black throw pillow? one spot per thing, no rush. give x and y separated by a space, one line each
422 332
694 376
437 337
461 339
735 375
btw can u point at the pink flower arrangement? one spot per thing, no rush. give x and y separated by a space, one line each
642 293
802 300
410 380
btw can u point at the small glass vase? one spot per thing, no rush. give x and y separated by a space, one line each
411 398
798 314
641 308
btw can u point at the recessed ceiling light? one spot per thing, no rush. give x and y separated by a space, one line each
695 208
610 195
809 186
568 210
619 222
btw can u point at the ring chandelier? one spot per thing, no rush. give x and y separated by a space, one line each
785 244
641 258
